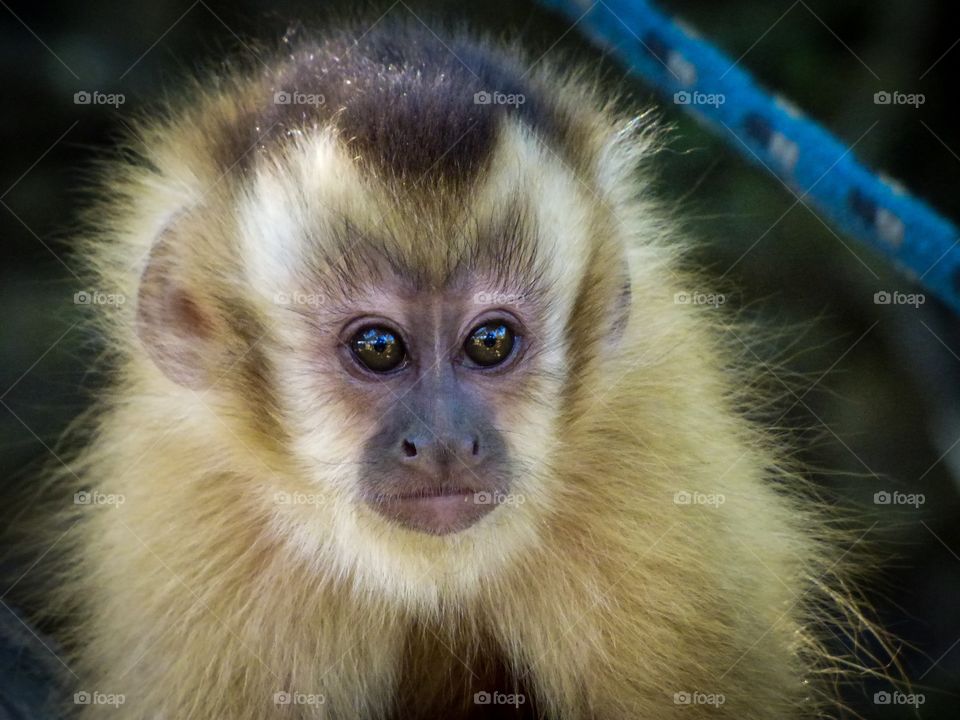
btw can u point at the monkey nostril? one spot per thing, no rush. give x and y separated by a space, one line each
476 447
409 449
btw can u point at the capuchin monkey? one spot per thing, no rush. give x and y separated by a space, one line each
408 417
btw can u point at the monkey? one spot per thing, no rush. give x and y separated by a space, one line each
407 417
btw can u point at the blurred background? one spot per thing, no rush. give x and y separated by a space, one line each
875 387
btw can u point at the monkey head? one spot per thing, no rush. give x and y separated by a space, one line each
387 301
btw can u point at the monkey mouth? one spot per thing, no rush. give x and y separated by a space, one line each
435 510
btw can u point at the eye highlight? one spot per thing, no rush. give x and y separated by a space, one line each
489 344
378 349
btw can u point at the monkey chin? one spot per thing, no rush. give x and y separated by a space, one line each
436 510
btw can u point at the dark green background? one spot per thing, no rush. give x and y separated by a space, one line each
884 417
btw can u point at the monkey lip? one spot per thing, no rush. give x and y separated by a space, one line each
434 510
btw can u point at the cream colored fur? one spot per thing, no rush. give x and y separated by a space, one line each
201 596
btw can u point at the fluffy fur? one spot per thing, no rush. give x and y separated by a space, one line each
204 595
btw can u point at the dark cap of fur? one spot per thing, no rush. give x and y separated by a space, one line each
402 98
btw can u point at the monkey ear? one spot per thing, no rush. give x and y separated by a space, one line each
621 154
178 329
621 309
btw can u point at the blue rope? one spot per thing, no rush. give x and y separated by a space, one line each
770 132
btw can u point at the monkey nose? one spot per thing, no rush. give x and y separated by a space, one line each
435 454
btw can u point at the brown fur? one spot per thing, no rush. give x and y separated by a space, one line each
598 597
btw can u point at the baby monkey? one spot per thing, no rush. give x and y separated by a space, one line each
408 421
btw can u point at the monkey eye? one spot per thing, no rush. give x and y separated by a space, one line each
378 349
489 344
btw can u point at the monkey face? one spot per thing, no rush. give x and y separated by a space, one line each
427 380
399 354
433 377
